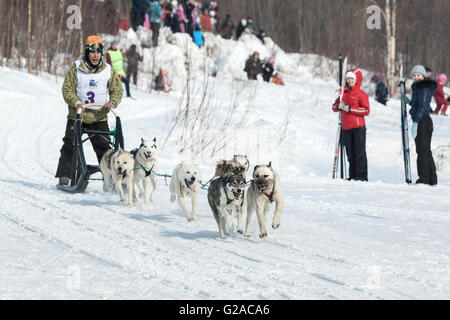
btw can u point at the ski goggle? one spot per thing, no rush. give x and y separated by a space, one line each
95 47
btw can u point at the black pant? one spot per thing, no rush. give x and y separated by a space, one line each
132 71
426 169
137 19
155 33
127 85
99 143
354 141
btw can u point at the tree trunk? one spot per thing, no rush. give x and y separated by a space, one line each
29 38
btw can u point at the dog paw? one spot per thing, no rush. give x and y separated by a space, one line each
240 231
189 219
275 226
263 235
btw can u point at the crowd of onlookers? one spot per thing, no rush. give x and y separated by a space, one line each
192 17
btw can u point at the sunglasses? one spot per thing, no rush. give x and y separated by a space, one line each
95 47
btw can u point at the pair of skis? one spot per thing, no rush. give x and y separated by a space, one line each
405 129
339 150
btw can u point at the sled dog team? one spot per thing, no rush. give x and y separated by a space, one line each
226 193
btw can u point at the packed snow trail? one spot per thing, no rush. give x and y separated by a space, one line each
337 240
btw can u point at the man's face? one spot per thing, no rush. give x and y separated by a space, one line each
94 58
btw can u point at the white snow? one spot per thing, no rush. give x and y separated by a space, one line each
337 240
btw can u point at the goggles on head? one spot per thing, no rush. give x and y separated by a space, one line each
95 47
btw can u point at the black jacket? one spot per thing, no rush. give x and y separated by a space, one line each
420 101
253 68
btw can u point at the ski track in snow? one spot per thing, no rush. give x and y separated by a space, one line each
337 240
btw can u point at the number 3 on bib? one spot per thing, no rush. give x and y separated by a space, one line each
90 95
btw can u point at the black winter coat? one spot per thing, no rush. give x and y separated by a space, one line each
253 68
267 71
420 101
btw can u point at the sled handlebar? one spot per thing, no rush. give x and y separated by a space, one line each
94 106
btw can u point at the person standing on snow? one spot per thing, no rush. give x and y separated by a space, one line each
89 80
422 128
155 13
439 96
240 28
116 59
354 107
133 57
381 91
253 66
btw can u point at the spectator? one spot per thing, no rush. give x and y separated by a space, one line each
250 27
353 108
116 59
261 35
190 14
213 20
205 21
439 96
133 57
199 39
155 14
429 72
172 19
422 129
137 14
162 81
253 66
267 69
181 17
240 28
277 79
122 24
381 91
227 28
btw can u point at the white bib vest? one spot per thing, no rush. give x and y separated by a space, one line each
93 87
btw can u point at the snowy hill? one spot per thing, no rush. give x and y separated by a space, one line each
337 240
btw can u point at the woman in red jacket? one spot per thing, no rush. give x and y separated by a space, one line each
439 96
353 107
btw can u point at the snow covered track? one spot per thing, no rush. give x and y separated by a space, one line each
337 240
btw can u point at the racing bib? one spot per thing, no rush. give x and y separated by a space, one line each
93 87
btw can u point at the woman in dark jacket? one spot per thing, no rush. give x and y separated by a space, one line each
422 129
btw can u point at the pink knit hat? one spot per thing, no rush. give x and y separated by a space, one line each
442 78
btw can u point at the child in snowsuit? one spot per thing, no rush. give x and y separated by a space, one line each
353 107
422 128
439 96
381 91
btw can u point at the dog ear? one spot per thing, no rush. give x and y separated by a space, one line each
270 164
256 167
154 142
154 139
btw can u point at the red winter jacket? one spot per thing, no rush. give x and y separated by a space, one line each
439 95
358 102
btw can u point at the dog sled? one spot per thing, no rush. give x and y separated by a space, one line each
81 172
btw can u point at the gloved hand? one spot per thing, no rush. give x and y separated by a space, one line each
414 130
343 107
406 100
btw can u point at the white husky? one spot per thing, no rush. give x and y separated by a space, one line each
185 182
145 167
117 165
264 189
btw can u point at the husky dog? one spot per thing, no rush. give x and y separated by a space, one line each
185 182
144 169
239 165
225 194
264 189
117 166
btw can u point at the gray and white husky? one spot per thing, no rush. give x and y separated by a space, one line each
264 189
145 167
117 167
225 195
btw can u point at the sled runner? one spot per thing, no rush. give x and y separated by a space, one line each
80 171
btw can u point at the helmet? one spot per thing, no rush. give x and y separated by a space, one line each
94 43
92 39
